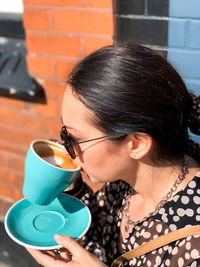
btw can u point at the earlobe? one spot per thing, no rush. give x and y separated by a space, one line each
140 145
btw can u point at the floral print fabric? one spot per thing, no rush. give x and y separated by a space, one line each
103 237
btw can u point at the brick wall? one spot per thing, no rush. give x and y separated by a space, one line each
172 27
169 26
142 21
58 34
184 40
184 43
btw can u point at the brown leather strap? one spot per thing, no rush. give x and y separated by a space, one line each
156 243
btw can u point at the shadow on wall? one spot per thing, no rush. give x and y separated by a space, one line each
12 254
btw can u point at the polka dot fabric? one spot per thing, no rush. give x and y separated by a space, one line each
103 237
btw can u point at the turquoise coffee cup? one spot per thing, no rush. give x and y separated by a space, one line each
48 172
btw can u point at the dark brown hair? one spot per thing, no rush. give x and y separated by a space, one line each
130 89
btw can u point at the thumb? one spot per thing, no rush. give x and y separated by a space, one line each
69 243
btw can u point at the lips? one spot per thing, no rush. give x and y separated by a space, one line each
82 169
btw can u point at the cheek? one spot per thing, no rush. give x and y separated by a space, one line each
105 162
95 158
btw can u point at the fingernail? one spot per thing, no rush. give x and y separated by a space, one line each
57 237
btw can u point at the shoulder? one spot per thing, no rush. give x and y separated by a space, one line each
193 186
184 209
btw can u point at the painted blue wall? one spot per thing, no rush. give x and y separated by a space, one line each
184 43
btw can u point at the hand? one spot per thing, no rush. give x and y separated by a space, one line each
80 256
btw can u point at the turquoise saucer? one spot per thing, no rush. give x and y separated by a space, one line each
34 226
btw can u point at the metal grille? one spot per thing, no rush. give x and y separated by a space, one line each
15 81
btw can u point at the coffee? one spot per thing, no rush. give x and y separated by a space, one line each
54 155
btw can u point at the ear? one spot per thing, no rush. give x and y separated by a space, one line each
139 145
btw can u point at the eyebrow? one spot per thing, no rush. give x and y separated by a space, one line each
68 127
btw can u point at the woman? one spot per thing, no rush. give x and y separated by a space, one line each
125 116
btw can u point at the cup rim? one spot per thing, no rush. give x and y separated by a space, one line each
57 144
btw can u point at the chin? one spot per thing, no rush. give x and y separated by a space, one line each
95 179
92 179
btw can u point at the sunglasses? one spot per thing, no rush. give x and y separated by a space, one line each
69 143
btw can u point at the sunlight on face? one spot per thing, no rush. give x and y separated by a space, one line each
100 160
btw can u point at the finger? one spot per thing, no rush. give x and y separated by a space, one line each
70 244
80 241
65 256
44 259
52 253
64 251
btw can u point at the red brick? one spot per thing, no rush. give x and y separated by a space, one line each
48 109
87 22
13 148
92 44
38 65
53 44
16 135
8 116
36 19
18 193
6 191
12 178
55 89
5 204
64 67
11 184
15 162
12 103
53 2
42 125
3 159
97 3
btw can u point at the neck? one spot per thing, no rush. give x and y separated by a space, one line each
152 182
153 187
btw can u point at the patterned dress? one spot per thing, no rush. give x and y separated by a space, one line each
103 237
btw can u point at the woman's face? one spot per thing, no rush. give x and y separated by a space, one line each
103 160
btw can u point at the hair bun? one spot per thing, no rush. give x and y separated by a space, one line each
194 118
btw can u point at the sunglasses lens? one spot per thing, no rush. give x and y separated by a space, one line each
67 143
71 152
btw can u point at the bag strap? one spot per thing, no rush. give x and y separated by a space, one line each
157 243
